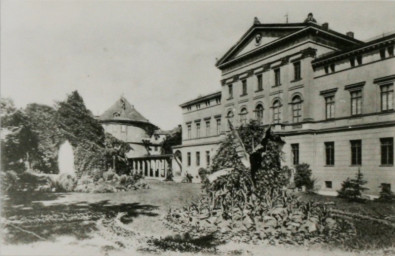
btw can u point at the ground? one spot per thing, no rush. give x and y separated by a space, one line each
77 226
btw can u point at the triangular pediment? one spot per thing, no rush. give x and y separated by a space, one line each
264 36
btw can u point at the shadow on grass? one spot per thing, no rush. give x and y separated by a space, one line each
30 220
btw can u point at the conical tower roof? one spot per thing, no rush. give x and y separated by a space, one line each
122 110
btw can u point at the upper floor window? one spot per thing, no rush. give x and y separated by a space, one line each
259 81
356 152
330 107
276 111
207 103
198 106
189 131
387 151
356 102
326 69
208 128
352 61
297 70
390 50
277 77
359 59
218 100
333 67
382 53
244 87
387 95
259 113
230 91
189 108
243 116
123 128
230 116
198 130
218 126
296 109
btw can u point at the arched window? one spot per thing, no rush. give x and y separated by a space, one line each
296 109
259 113
230 116
243 116
276 111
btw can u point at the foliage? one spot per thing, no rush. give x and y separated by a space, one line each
188 178
303 176
65 183
19 142
386 195
172 139
115 151
352 188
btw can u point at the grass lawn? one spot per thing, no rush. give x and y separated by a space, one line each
370 235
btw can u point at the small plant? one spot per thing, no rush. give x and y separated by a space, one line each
352 188
303 177
386 195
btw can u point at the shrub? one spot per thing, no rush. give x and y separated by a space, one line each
202 173
352 188
303 176
96 174
109 175
65 182
187 179
9 180
386 195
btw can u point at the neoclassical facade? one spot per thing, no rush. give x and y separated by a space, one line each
328 94
125 123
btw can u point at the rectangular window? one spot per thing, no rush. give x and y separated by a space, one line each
207 128
230 91
218 126
297 71
295 153
387 94
189 158
330 107
259 80
277 77
359 59
356 102
326 69
330 153
244 87
208 158
328 184
189 129
356 152
123 128
352 62
382 53
333 67
197 130
391 50
207 103
197 158
387 151
198 106
218 101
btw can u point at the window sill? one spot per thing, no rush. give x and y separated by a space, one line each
231 98
356 165
241 95
296 80
261 90
386 165
276 85
329 165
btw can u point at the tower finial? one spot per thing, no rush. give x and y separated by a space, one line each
256 21
310 18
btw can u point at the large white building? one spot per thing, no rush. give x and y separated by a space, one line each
330 95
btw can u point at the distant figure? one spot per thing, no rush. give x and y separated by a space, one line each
310 18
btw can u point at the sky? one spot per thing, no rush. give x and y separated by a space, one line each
155 54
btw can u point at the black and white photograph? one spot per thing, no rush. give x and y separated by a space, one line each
210 128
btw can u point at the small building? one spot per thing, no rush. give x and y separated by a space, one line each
125 123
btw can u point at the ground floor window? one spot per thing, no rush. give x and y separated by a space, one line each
197 158
330 153
295 153
328 184
208 158
387 151
356 152
189 158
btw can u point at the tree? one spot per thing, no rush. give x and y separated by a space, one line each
19 142
303 176
352 188
116 154
172 139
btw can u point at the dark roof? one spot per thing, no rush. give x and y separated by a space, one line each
201 98
294 28
367 46
122 110
168 132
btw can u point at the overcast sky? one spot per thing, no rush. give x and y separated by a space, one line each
157 54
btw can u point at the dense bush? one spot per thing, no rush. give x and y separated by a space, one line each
386 195
303 177
352 189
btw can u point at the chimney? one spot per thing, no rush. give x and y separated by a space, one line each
350 34
325 26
